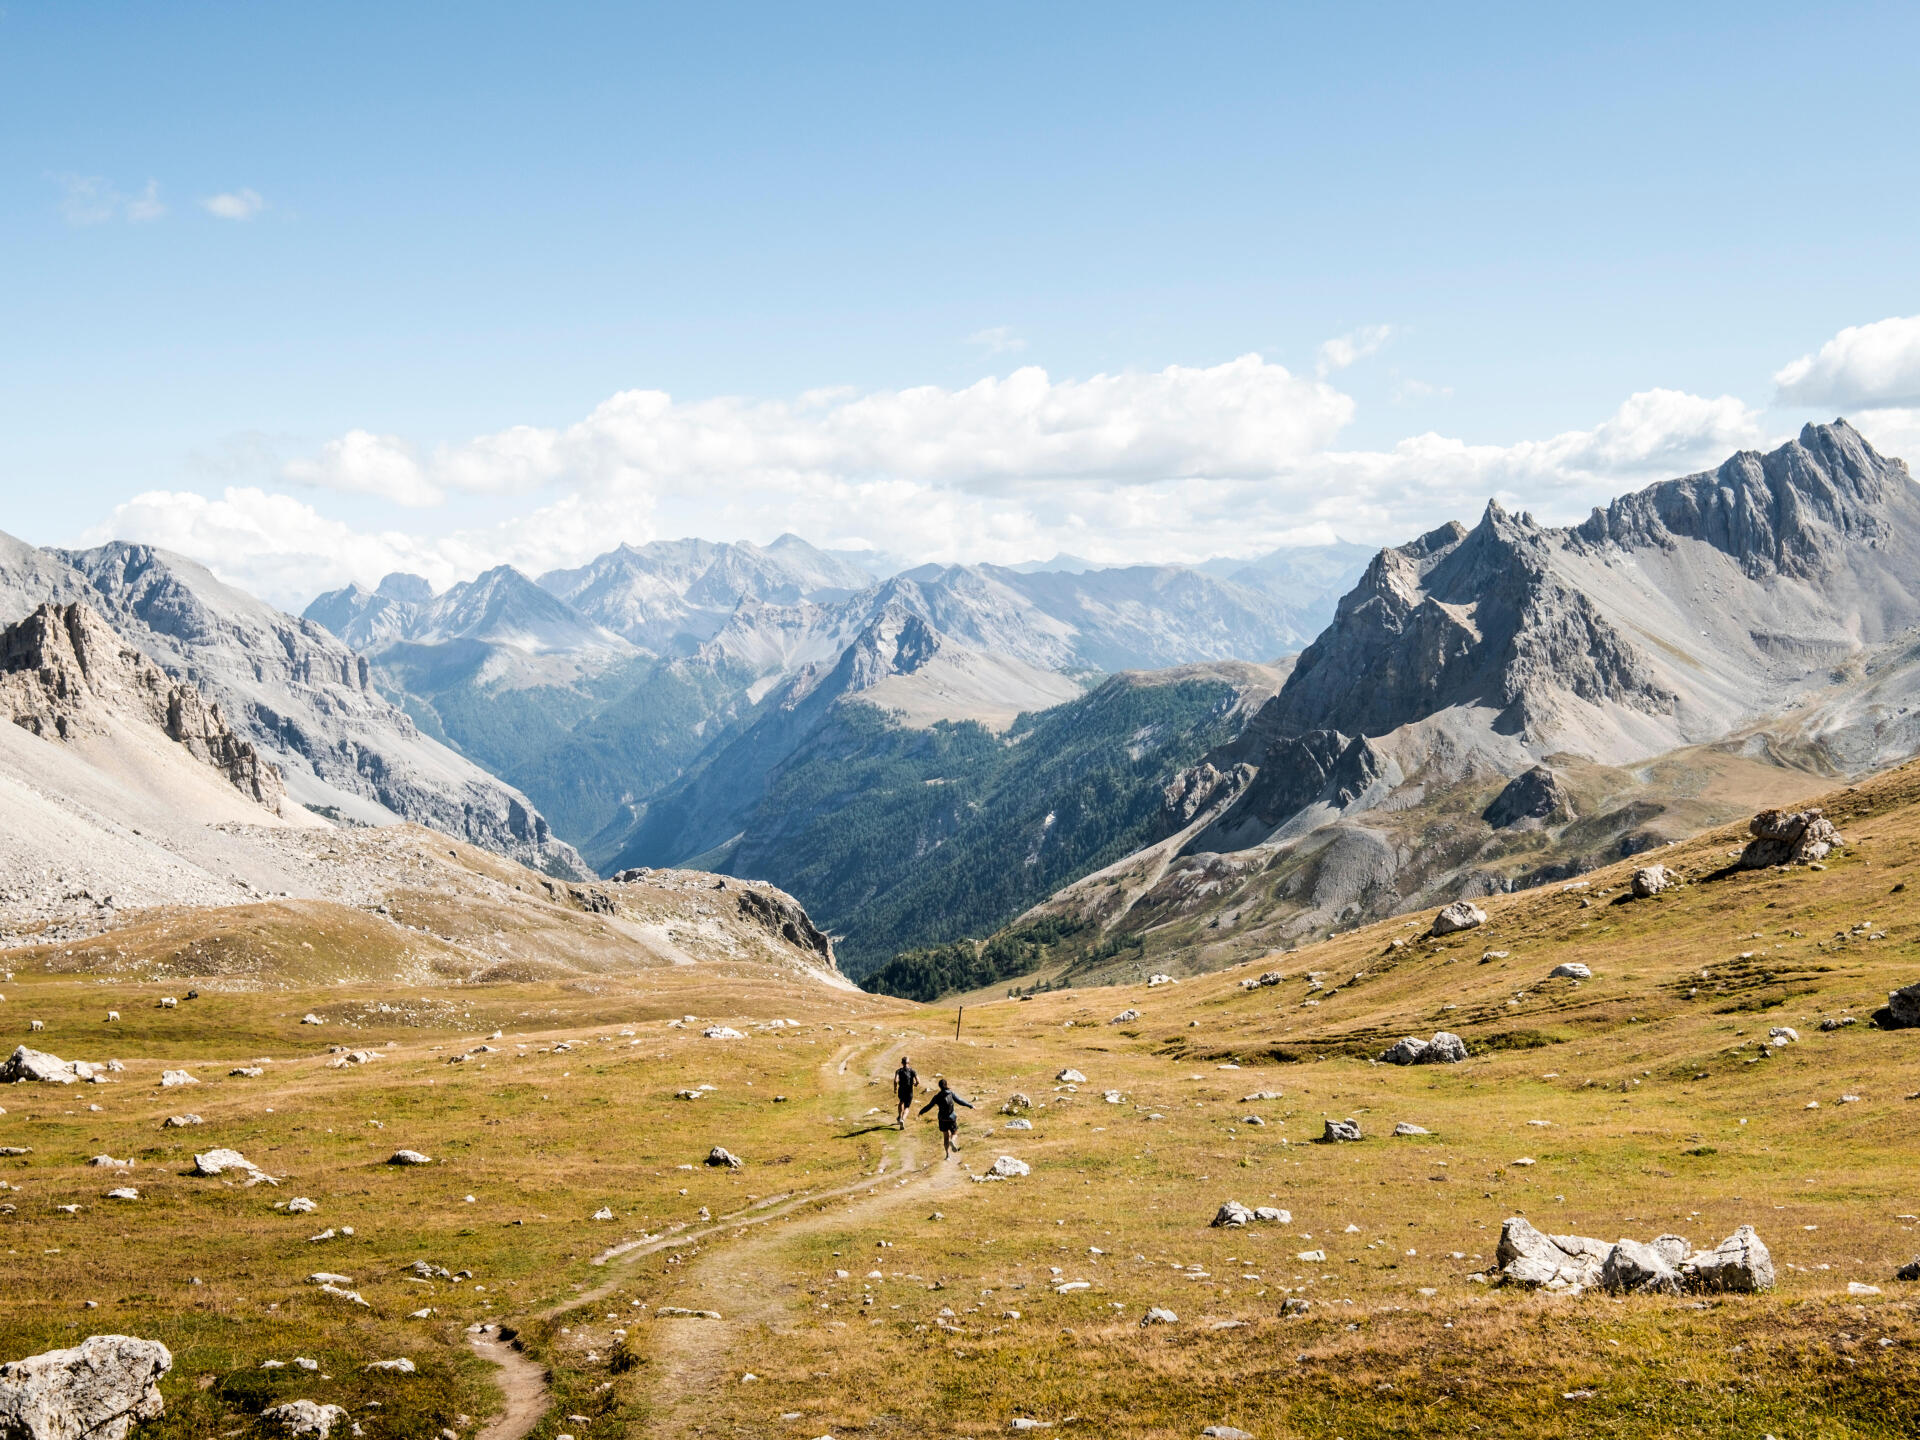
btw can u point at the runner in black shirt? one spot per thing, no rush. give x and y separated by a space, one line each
904 1084
949 1118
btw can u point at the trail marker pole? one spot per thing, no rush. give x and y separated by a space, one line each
956 1021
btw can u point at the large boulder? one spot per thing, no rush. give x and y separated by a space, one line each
1404 1052
1632 1266
1443 1049
1738 1263
1460 915
1903 1006
1341 1130
1788 837
1650 880
1570 970
99 1390
25 1064
1535 1261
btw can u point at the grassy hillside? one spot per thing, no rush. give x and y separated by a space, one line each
870 1288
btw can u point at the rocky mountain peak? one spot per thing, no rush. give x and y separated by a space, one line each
401 586
65 673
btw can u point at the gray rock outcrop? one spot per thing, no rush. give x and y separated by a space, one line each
1903 1006
1739 1263
1339 1131
36 1065
1535 795
1460 915
1532 1260
1909 1271
781 913
1443 1049
99 1390
1650 880
63 670
1788 837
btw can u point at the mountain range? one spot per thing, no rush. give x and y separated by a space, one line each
1497 706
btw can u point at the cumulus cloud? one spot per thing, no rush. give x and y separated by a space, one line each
1873 366
1344 350
1245 417
241 204
1178 464
93 200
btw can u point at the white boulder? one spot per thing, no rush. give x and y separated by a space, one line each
1460 915
99 1390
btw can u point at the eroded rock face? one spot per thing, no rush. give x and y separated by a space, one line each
1536 795
1788 837
63 670
782 914
99 1390
1460 915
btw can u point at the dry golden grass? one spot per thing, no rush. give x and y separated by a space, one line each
1660 1115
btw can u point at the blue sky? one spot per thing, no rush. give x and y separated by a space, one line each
309 291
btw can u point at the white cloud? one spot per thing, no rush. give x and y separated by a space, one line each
998 340
94 200
241 204
1244 417
1344 350
1873 366
1179 464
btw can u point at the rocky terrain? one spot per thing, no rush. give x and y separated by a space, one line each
288 687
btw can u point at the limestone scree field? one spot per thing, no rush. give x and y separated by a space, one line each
568 1263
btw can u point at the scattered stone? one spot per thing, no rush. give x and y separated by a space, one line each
1233 1213
1156 1315
304 1418
1571 970
301 1205
311 1020
1404 1128
1259 1095
401 1366
102 1162
1339 1130
36 1065
98 1390
408 1157
1854 1287
218 1162
1155 980
721 1157
11 1151
671 1311
171 1078
722 1032
1312 1257
1404 1052
1005 1168
1650 880
1273 1215
1124 1017
1294 1305
1783 1035
1830 1023
1788 837
1460 915
1019 1124
125 1192
1016 1102
180 1122
1071 1077
603 1213
354 1296
1226 1432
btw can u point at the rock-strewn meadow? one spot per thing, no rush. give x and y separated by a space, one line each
845 1281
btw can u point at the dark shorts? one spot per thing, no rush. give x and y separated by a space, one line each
950 1127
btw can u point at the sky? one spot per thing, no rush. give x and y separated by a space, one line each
314 293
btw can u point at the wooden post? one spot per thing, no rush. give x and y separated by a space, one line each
956 1021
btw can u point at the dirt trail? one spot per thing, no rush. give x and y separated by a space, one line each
522 1383
692 1352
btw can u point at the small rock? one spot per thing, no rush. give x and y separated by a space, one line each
1404 1128
1294 1305
722 1032
179 1122
1650 880
1158 1316
1341 1130
1071 1077
1226 1432
125 1192
603 1213
1571 970
301 1205
408 1157
1854 1287
1783 1035
1233 1213
723 1158
171 1078
1272 1215
1124 1017
304 1417
401 1366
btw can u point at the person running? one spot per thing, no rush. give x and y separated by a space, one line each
905 1082
949 1118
